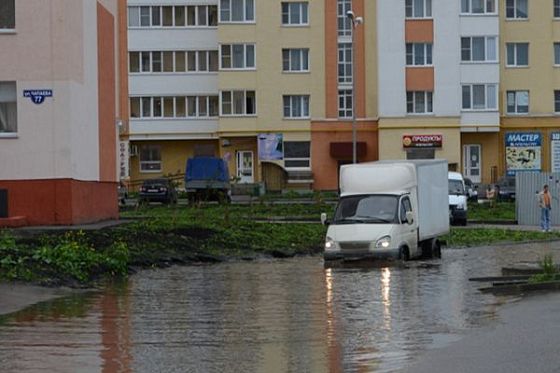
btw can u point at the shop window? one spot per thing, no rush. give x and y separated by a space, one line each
150 158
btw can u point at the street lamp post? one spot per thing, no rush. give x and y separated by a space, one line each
355 21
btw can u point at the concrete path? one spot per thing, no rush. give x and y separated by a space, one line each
16 296
526 338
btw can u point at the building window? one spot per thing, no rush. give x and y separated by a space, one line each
297 154
479 49
419 102
418 8
556 8
418 54
238 103
174 107
237 11
173 16
295 60
8 107
296 106
295 14
173 61
517 54
345 62
517 102
517 9
478 7
557 53
344 23
480 97
345 103
557 102
150 158
7 14
237 56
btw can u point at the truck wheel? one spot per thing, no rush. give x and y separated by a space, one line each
436 249
404 254
463 222
427 249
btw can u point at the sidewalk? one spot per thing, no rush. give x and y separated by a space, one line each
524 339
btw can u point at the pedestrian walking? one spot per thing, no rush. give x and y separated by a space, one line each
545 204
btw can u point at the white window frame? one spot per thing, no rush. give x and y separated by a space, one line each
152 8
411 8
344 24
246 47
152 103
490 45
302 12
344 63
412 50
232 93
490 96
228 10
556 97
8 109
514 48
143 163
515 8
428 102
293 104
291 57
467 7
345 103
10 26
516 97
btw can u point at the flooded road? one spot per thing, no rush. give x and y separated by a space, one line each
270 316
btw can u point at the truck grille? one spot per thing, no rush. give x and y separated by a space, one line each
354 246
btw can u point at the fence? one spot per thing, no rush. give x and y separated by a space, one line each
527 186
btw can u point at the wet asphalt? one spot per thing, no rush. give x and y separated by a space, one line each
526 339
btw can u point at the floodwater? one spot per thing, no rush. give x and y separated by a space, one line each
269 316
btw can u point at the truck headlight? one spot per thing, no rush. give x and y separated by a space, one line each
383 243
330 245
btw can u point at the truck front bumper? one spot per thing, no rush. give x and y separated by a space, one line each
378 254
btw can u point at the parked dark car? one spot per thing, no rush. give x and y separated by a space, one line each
471 190
158 190
505 189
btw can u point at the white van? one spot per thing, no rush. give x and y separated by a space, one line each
389 210
457 199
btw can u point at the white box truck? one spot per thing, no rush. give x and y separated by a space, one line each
389 210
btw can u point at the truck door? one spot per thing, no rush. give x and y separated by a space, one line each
245 166
409 234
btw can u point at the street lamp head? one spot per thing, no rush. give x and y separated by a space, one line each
350 14
359 20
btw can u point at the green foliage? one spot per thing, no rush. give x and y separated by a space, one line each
549 271
485 212
461 237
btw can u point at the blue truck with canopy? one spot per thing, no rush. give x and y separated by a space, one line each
207 178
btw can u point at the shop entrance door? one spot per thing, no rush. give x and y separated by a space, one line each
245 166
471 162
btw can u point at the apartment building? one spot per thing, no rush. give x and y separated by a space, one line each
530 85
59 111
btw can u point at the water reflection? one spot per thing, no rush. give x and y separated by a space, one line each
278 316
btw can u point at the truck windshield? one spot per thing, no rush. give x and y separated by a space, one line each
456 187
381 209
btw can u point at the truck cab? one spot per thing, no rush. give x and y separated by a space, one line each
381 226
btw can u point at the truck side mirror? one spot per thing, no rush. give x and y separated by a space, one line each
324 219
409 217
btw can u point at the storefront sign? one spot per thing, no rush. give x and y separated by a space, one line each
555 152
270 146
422 141
37 96
123 160
523 152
